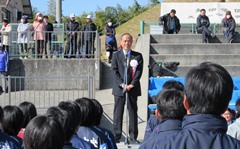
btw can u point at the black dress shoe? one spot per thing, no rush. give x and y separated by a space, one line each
134 141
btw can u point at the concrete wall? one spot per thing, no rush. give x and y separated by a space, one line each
143 46
54 68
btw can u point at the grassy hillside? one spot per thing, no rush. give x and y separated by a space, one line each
133 25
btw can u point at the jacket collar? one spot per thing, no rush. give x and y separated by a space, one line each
168 125
205 122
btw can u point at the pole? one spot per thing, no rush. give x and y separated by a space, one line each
141 27
126 96
59 11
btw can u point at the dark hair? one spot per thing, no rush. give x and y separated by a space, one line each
1 115
99 112
172 84
128 35
202 10
45 17
87 109
29 112
12 120
173 11
237 105
44 132
65 119
70 118
170 104
208 89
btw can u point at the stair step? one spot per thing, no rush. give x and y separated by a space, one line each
222 59
189 38
191 48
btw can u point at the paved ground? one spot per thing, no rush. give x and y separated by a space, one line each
44 99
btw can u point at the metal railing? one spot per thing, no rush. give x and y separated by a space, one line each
45 92
56 44
185 28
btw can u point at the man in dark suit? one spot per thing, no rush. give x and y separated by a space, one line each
134 62
48 37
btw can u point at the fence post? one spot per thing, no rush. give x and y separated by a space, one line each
141 27
91 87
9 89
98 44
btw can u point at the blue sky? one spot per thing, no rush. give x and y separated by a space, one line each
79 6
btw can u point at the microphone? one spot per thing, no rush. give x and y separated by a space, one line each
127 59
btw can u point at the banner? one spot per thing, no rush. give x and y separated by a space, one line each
188 12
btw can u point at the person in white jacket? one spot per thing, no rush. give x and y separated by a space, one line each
5 31
23 38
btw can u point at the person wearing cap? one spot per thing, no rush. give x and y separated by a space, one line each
23 29
89 36
170 22
39 27
72 28
228 26
202 26
48 37
6 29
111 43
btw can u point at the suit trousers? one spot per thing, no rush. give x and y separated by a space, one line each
118 116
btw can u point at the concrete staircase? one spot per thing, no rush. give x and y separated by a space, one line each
190 51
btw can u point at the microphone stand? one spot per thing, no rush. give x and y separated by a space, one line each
126 98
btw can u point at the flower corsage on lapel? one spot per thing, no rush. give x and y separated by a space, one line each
133 64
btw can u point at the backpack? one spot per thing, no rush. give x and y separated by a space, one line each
156 69
110 39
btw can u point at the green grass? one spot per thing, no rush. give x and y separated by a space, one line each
133 25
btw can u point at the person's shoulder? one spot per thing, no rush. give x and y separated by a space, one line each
135 53
8 141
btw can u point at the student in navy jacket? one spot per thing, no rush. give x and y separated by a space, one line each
208 90
170 110
86 130
5 140
153 121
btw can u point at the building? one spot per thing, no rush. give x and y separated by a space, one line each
14 9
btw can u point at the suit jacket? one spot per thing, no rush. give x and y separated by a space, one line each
118 68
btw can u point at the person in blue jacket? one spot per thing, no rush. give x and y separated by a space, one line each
86 130
170 112
68 114
208 90
96 125
5 140
153 121
4 59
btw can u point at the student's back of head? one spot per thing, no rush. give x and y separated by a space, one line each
12 120
172 84
208 89
65 118
98 113
87 109
29 112
44 132
170 104
73 109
